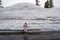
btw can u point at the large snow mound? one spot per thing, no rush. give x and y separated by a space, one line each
40 18
27 11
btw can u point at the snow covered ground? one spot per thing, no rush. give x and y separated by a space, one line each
15 16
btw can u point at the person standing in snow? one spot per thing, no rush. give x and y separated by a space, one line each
25 27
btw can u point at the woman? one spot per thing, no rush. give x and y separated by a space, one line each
25 27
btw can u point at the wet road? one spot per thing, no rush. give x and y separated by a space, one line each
37 36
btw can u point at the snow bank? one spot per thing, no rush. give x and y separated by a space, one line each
15 16
28 11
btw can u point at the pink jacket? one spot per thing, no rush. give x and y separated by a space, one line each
25 25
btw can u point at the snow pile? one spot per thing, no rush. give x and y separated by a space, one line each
15 16
28 11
